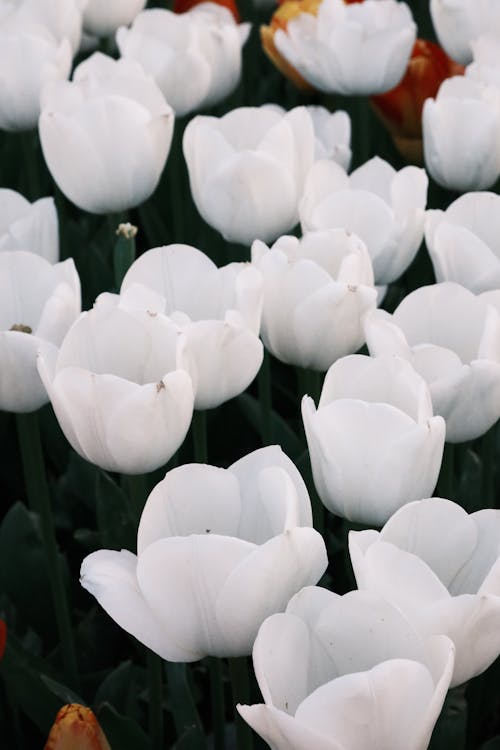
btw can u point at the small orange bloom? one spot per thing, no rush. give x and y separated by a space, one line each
181 6
401 108
287 10
3 637
76 728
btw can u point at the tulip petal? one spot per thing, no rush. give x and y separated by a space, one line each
280 567
417 528
178 505
187 575
111 578
282 732
359 709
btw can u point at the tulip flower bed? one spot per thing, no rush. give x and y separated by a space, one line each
250 375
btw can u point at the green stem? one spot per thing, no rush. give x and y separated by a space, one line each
37 491
488 455
30 166
217 701
137 493
182 706
265 399
240 684
155 666
446 486
199 431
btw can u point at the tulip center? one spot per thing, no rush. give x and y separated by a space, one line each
21 327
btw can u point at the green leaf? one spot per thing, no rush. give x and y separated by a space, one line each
291 444
123 733
180 699
21 550
114 518
25 678
65 694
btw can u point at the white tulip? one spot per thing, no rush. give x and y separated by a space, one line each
33 58
452 338
358 49
118 388
247 170
384 207
443 583
106 135
373 442
459 22
217 309
464 241
38 303
331 660
208 540
29 226
461 135
62 18
316 291
202 46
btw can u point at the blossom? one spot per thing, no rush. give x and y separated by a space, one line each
62 18
347 673
279 20
29 226
76 728
400 109
452 338
353 49
119 389
460 132
38 304
316 291
203 46
208 539
33 57
464 241
332 133
247 170
385 208
373 441
218 311
442 583
106 135
458 23
102 19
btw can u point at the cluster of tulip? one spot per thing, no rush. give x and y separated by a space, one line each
369 605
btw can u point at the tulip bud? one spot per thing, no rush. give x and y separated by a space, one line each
285 12
3 638
76 728
401 108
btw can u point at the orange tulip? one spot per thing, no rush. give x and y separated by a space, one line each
181 6
286 11
401 108
76 728
3 637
